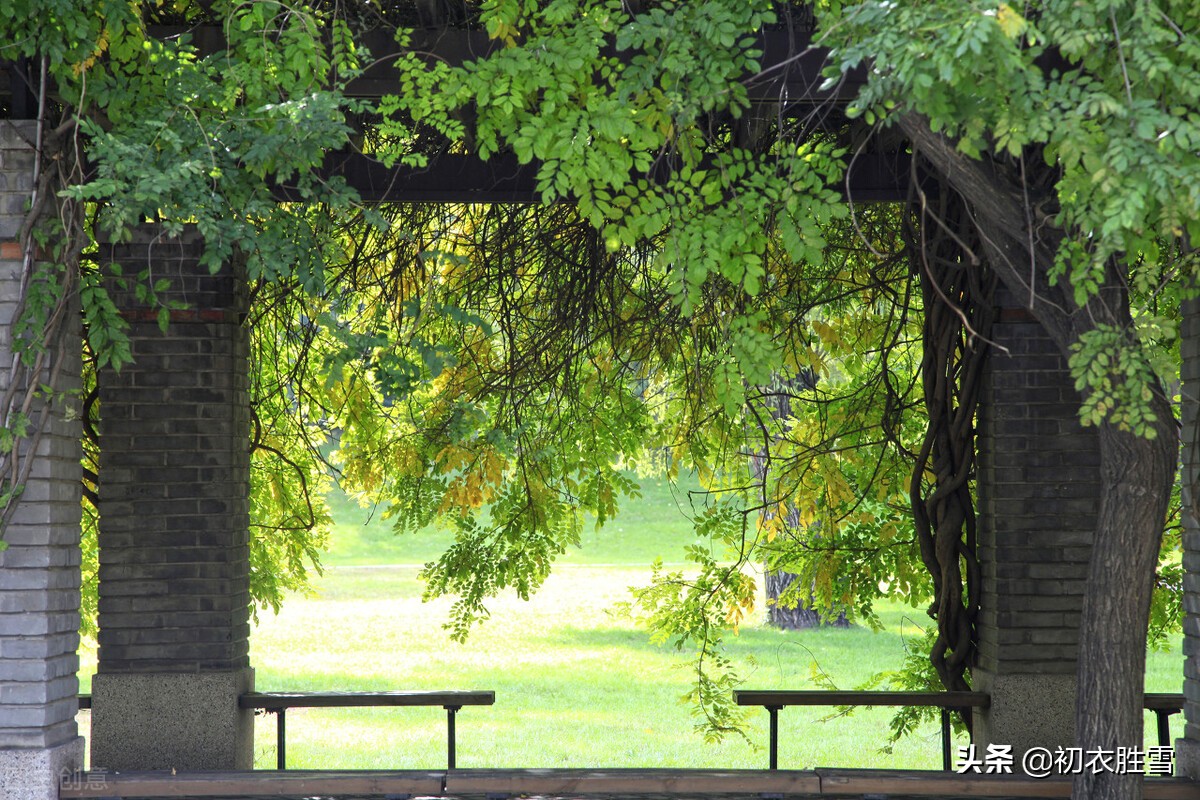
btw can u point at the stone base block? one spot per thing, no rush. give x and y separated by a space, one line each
37 773
183 721
1026 711
1187 759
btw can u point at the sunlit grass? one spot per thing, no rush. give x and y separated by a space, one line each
576 686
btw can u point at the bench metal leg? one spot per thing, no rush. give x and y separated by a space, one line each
774 753
946 763
281 739
451 711
1163 715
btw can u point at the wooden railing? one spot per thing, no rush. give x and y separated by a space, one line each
1163 706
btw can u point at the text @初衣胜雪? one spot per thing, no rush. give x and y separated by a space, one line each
1042 762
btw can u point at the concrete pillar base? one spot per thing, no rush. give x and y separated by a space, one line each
1026 711
37 773
1187 759
172 720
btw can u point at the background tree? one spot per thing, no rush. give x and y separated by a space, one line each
789 602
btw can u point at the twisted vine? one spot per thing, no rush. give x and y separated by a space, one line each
50 239
957 290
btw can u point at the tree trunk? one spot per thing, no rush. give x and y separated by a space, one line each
1136 476
1020 242
800 617
797 612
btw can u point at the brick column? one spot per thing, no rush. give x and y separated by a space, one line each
174 521
1037 485
1187 749
39 572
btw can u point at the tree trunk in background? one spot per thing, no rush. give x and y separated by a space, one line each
799 618
801 615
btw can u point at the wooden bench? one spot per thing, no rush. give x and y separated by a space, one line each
1162 704
279 702
773 701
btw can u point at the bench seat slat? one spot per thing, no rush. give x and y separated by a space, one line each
825 698
1163 701
277 700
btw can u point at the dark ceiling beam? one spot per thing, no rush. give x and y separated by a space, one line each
451 178
790 80
18 90
790 72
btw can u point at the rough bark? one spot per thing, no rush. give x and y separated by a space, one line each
1136 473
788 615
800 617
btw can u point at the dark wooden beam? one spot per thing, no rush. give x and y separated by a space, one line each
789 81
453 178
18 89
449 178
790 72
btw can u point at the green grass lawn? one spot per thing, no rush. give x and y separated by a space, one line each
576 686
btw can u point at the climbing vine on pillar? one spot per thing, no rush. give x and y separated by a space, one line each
41 333
957 290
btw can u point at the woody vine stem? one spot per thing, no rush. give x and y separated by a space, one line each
50 240
957 290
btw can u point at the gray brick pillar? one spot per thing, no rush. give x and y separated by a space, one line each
39 572
1187 749
174 522
1037 486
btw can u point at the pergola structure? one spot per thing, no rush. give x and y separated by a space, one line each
174 561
